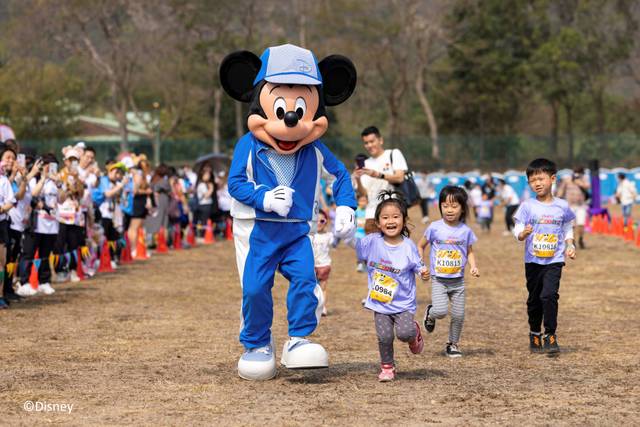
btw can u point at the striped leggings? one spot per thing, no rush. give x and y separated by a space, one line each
445 290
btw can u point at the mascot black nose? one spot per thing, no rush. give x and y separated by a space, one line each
291 119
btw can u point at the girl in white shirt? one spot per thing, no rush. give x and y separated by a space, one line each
43 230
19 215
322 243
7 200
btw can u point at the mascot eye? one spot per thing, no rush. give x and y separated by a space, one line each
279 107
301 107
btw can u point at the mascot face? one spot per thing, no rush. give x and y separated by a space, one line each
287 92
290 111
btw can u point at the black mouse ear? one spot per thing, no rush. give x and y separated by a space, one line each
338 79
237 72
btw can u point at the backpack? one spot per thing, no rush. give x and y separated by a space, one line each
408 187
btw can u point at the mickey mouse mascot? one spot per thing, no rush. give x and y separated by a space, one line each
275 184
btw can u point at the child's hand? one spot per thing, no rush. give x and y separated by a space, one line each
475 272
571 251
424 274
526 232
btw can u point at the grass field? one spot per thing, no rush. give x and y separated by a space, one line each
156 343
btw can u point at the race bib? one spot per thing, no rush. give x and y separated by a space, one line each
544 245
384 288
448 261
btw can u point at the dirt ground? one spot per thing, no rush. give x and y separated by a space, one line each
156 343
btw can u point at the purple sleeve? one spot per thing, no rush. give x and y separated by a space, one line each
427 233
471 238
415 259
522 215
362 247
568 215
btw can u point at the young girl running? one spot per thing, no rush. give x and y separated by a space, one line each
451 243
392 262
322 242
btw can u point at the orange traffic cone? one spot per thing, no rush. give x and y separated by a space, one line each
33 277
208 234
79 269
177 238
191 235
125 254
228 233
162 242
628 235
141 247
105 259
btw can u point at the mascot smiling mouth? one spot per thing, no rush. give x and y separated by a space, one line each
286 145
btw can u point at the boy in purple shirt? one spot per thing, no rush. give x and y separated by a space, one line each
545 223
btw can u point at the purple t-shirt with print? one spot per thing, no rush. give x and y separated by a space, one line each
391 271
546 244
449 248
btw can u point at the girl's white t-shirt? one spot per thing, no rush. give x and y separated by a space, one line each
6 194
47 222
322 243
19 214
202 190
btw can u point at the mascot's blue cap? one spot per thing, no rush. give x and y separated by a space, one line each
289 64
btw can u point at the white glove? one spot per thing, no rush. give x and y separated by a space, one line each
279 200
345 222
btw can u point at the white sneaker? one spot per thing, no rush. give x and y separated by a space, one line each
300 353
46 289
361 267
25 290
73 276
114 265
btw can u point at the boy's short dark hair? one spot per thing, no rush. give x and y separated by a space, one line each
370 130
90 148
541 166
622 175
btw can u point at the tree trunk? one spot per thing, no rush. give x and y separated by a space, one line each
302 22
569 111
431 120
217 106
239 120
601 117
554 127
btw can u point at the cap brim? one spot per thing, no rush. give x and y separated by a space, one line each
293 79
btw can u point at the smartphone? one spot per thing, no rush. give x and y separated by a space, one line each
22 160
360 162
53 168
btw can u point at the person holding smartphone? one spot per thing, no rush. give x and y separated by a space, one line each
378 173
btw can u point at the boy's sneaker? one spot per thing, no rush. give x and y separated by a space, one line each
3 304
361 268
387 373
452 350
551 343
26 290
417 345
535 343
429 323
73 276
46 289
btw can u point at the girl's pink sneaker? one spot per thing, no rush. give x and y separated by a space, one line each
388 372
417 345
